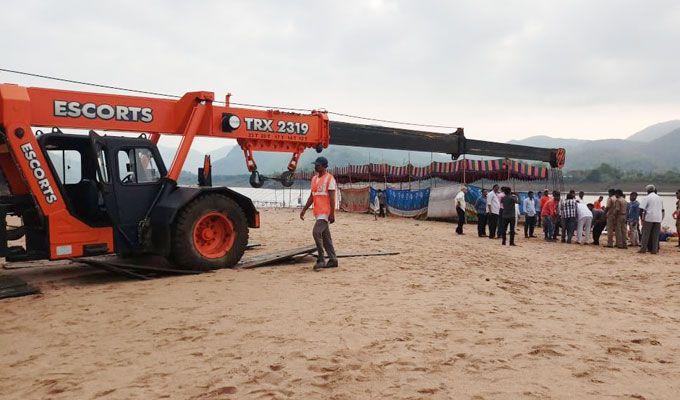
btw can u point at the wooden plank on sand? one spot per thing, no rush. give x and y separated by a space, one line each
386 253
347 255
276 257
13 286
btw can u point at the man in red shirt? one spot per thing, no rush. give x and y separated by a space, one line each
323 197
545 198
598 203
548 214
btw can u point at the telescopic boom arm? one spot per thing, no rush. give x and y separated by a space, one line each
348 134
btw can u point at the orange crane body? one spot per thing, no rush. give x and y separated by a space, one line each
24 163
122 199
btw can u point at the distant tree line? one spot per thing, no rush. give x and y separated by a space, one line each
607 173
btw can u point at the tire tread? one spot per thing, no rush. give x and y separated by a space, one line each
184 253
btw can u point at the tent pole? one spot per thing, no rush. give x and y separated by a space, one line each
508 165
432 181
464 169
482 174
369 168
408 170
384 170
349 173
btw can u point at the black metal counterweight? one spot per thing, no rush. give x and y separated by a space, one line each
360 135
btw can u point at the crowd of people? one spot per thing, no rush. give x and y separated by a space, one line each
569 218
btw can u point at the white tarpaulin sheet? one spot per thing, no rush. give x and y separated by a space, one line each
441 203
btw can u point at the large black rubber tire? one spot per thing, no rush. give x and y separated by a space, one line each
184 252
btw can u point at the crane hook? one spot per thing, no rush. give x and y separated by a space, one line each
256 180
287 178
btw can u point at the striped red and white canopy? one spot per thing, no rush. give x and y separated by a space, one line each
456 171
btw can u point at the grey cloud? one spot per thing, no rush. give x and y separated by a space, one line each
377 57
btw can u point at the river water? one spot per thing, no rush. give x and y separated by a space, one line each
668 205
283 197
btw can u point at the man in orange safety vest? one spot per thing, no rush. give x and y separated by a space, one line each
322 196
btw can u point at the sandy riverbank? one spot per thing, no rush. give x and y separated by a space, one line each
450 317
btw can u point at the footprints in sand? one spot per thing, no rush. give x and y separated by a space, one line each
276 367
57 386
218 393
545 350
103 393
648 341
619 350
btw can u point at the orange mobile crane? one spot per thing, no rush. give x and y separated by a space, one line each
122 199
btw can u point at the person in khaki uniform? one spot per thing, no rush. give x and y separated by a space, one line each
621 220
610 212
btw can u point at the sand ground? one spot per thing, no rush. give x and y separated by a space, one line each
450 317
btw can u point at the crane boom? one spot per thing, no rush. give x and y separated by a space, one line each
196 114
349 134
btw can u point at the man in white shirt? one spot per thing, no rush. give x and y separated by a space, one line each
580 197
501 195
493 204
651 227
460 209
529 206
585 220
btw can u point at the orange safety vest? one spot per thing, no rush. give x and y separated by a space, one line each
320 187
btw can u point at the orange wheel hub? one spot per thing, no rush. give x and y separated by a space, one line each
213 235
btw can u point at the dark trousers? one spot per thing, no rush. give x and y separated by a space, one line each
529 224
548 228
481 224
493 224
568 228
650 237
597 231
461 220
556 227
382 210
322 238
508 222
538 218
499 231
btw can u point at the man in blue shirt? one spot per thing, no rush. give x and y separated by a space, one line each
633 219
480 207
529 206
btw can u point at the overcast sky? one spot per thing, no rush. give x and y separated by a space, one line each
502 70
